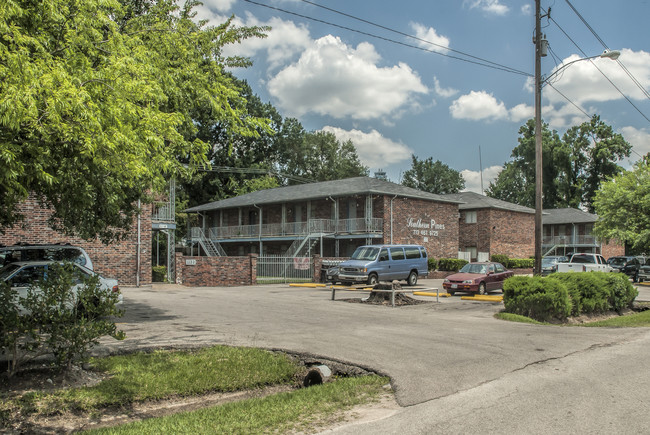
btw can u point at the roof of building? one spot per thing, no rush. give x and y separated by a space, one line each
321 190
567 216
473 200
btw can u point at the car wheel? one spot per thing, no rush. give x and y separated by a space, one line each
412 279
451 292
372 279
481 289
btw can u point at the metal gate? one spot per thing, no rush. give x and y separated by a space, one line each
275 269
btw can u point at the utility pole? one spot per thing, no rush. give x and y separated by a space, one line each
538 139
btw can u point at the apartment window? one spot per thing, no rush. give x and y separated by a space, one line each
470 217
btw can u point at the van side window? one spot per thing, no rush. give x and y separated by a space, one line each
412 252
383 255
397 253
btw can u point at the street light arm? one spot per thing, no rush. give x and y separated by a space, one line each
607 54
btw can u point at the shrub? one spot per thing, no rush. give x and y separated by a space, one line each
521 263
61 321
621 291
159 274
432 264
503 259
535 297
451 264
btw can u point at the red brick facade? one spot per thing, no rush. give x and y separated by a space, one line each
498 232
433 225
117 260
216 271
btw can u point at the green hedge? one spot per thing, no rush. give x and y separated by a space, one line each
564 294
514 263
451 264
535 297
432 263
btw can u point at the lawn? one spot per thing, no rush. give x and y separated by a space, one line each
169 375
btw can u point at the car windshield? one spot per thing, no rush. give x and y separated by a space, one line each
7 271
553 260
617 261
474 268
365 253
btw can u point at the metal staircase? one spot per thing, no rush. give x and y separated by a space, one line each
211 248
301 247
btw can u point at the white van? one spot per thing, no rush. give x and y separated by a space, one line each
374 263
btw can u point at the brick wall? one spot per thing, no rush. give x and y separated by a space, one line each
216 271
433 225
612 249
117 260
512 233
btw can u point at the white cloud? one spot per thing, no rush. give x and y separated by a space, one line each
478 106
374 150
521 112
446 93
473 178
429 38
219 5
527 9
284 41
582 82
331 78
489 6
639 139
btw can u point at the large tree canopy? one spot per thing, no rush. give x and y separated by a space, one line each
573 167
433 177
97 105
623 207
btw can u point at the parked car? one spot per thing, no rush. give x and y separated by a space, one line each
374 263
549 263
333 274
585 262
478 278
644 272
23 275
626 264
53 252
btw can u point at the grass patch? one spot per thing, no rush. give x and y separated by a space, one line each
517 318
162 374
635 320
279 413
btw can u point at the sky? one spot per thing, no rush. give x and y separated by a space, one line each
450 80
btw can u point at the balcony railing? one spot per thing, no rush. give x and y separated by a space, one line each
570 240
298 229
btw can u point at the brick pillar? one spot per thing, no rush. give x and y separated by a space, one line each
253 274
318 267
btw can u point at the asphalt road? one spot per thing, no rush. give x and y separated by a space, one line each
454 368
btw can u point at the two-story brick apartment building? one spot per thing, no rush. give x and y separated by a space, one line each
493 226
570 230
330 218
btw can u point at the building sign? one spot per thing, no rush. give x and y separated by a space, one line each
424 227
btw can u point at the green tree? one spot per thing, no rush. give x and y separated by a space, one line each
433 177
516 182
97 101
623 207
572 168
319 156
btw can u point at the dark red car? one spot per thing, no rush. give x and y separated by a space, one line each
477 277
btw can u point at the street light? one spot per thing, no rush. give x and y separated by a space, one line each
540 50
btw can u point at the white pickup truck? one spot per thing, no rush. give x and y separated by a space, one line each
585 263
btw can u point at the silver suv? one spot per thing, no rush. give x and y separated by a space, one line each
56 252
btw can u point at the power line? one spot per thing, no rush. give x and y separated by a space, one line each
484 63
256 171
599 70
593 32
411 36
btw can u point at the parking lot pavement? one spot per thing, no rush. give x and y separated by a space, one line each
429 350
